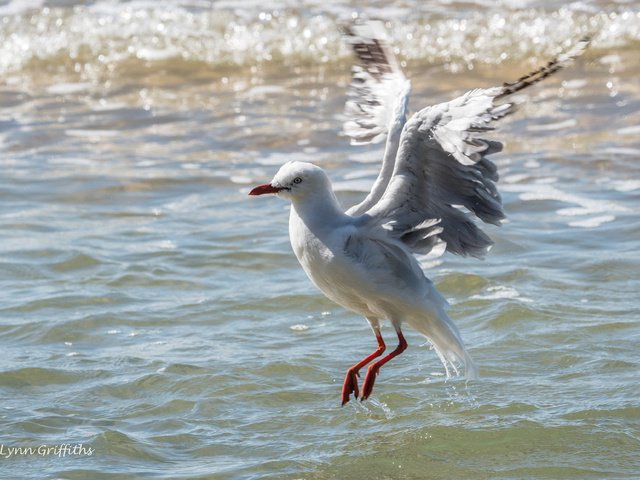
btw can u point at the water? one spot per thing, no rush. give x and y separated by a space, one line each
154 313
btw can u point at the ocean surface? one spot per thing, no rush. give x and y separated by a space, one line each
154 322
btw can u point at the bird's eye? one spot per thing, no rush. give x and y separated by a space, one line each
297 180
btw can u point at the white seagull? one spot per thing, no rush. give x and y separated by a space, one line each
435 177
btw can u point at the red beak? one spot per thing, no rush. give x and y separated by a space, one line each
266 188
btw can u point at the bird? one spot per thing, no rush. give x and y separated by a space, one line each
435 182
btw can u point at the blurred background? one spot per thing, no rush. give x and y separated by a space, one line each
152 311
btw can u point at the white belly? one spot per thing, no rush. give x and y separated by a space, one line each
333 272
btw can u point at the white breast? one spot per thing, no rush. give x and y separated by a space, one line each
321 255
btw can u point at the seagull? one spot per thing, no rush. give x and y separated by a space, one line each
435 177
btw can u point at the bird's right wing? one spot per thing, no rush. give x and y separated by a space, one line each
377 106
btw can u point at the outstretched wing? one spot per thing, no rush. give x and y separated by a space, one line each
443 176
377 104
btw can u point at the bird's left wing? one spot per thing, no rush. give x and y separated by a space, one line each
443 176
377 105
442 173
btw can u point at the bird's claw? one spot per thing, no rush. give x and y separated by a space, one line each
369 380
350 386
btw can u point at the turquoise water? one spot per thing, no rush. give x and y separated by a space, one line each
153 313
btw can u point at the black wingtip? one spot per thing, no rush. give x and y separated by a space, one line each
553 66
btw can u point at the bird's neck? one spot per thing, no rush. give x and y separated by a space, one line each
319 211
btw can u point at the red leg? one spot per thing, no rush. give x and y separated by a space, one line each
374 368
350 384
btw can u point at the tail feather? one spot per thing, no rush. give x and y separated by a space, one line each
442 333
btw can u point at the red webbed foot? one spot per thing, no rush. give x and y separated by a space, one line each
369 380
350 385
374 368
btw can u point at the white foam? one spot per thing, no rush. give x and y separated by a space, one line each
515 178
264 91
574 84
546 180
583 206
622 151
610 59
165 244
70 161
76 132
155 54
430 261
532 164
593 221
626 185
499 292
16 7
299 327
241 179
146 163
570 122
573 211
108 33
67 88
632 130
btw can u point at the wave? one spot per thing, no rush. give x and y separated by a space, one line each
108 36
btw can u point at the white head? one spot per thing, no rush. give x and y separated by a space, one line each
296 180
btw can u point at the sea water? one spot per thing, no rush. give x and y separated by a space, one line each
154 322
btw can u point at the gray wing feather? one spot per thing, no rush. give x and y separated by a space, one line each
443 175
375 84
377 104
443 178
